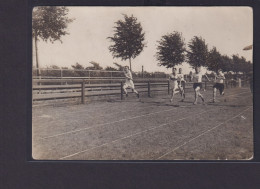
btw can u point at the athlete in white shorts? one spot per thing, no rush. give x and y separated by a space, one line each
173 83
219 85
181 84
129 82
197 85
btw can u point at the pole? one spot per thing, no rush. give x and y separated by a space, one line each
142 71
83 92
149 90
130 64
205 85
121 90
36 56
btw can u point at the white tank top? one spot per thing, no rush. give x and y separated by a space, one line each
220 78
197 77
180 77
173 78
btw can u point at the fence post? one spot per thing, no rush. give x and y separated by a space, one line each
111 77
61 73
239 83
205 85
149 91
121 87
168 87
83 92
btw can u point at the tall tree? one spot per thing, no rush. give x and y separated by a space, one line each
198 52
49 23
214 60
128 39
237 62
227 63
171 50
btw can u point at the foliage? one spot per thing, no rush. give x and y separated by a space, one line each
198 52
50 22
77 66
95 66
128 39
214 60
119 67
171 50
227 63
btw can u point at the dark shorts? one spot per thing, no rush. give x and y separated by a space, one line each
182 83
219 86
195 85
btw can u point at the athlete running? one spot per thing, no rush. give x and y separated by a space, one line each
129 82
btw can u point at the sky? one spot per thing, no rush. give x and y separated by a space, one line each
229 29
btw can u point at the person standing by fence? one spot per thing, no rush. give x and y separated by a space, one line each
129 82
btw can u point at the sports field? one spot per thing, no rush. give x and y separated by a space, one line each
147 129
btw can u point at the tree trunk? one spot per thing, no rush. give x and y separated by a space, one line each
36 57
130 64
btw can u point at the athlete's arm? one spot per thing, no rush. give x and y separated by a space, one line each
206 77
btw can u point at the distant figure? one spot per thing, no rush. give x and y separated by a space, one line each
129 82
181 84
197 84
173 83
219 85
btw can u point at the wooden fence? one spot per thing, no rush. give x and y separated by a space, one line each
51 89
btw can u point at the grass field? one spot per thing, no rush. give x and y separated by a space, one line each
147 129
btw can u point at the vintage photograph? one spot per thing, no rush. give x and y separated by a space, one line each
142 83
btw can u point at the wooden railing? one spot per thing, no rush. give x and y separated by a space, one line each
50 89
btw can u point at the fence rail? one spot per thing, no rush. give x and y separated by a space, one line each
84 74
81 89
51 89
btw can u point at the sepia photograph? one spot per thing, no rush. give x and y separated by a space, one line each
142 83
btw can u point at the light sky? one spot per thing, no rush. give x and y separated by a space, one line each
229 29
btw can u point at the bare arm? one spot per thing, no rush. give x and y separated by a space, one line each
207 77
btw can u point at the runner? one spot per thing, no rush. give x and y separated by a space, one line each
197 85
181 84
129 82
219 85
173 83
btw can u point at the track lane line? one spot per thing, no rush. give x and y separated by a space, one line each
204 132
156 127
98 125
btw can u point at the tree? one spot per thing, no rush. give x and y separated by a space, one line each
237 62
95 66
119 67
171 50
78 69
214 60
227 63
49 23
128 39
77 66
109 68
198 53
